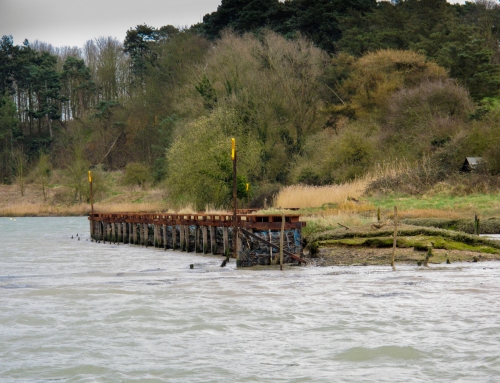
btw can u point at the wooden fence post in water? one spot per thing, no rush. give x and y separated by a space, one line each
395 237
476 224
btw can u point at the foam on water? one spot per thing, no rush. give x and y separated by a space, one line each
77 311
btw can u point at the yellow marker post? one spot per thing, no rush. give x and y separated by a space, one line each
247 186
235 203
233 149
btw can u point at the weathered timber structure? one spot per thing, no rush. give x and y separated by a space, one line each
258 235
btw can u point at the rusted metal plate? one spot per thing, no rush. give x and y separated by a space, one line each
248 221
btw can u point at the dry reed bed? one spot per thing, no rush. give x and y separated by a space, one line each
45 210
302 196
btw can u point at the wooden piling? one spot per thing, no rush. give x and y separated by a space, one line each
225 239
165 242
174 237
119 229
104 232
271 260
282 232
213 241
204 234
197 239
182 232
146 234
187 238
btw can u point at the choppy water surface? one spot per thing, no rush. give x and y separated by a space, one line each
76 311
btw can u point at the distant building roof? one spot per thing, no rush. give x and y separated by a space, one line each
471 163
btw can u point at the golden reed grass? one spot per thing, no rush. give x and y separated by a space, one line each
301 196
43 210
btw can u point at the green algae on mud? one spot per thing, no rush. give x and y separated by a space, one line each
368 246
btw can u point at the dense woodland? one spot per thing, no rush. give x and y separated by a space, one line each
315 92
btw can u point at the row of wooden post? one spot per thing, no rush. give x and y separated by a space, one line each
138 234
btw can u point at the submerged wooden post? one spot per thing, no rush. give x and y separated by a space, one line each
134 233
395 237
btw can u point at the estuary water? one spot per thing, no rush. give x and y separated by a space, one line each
76 311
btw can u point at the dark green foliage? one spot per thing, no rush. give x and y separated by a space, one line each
262 195
136 174
139 43
240 15
318 19
159 171
8 135
207 92
78 87
7 65
444 33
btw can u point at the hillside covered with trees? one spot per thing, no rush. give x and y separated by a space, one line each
315 92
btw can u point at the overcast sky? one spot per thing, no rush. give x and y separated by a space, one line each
73 22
